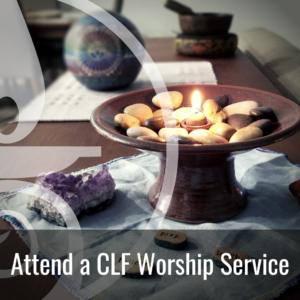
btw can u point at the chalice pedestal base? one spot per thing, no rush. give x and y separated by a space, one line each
205 190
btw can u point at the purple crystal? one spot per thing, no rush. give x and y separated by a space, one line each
83 193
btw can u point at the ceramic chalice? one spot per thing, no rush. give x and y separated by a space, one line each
206 189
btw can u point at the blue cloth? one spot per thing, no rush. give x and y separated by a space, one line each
265 175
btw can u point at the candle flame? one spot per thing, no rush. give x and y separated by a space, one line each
196 100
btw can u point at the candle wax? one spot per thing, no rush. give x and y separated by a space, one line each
196 119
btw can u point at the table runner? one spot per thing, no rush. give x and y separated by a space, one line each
266 176
68 100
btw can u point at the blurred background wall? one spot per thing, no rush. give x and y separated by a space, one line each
153 20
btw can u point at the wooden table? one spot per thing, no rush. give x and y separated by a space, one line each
237 70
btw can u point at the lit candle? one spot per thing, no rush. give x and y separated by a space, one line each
196 101
197 118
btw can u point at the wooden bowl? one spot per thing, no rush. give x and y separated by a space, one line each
206 189
205 23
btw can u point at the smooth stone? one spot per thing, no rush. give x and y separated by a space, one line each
222 129
265 125
196 119
170 239
165 133
213 111
263 113
157 123
295 190
222 100
135 132
207 138
235 254
126 121
133 270
139 111
163 112
210 107
243 107
183 140
238 121
182 113
245 134
219 117
162 100
151 139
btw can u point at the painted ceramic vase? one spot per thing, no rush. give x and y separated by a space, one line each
97 57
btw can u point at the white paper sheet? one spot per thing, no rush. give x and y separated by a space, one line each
68 100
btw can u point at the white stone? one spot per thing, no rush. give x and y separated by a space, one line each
163 112
165 133
140 131
222 129
170 100
210 107
126 121
182 113
243 107
207 138
246 134
139 111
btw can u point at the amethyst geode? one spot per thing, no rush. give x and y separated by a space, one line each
87 193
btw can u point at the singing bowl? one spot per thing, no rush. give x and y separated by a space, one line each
205 23
206 189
